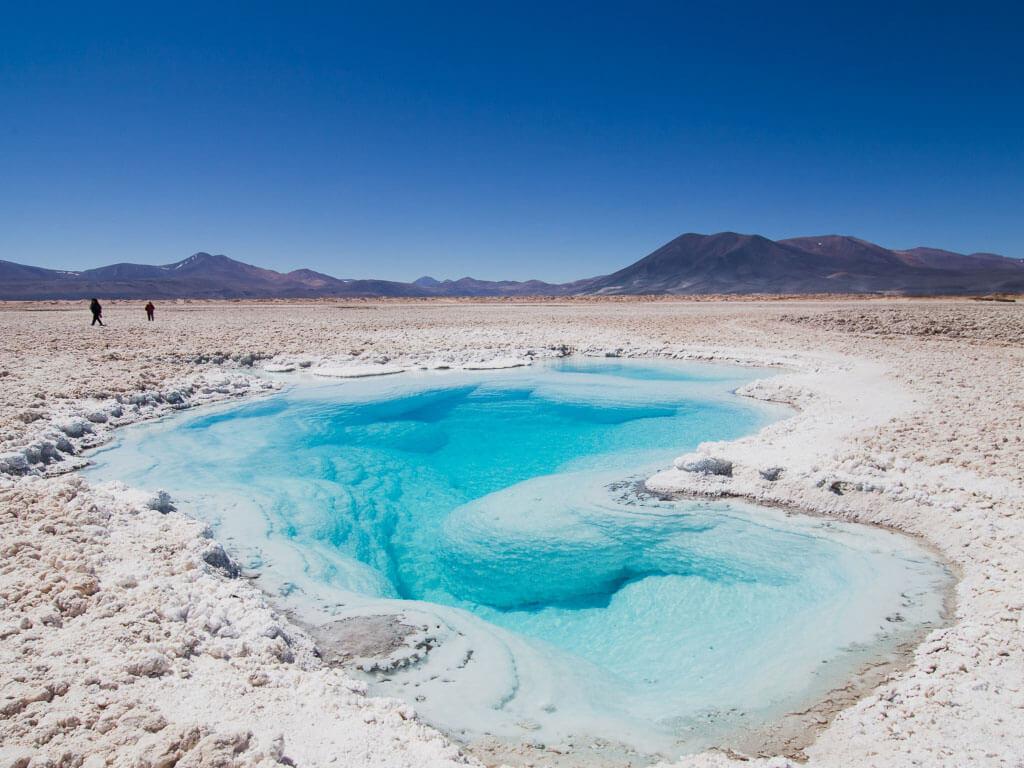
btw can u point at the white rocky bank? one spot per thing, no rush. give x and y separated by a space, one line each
128 639
53 445
961 702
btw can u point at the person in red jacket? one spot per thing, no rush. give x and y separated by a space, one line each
150 309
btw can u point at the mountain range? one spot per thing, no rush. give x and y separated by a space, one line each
691 264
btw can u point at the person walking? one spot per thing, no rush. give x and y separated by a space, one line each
150 309
97 312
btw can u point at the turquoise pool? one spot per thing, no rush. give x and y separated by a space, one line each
501 509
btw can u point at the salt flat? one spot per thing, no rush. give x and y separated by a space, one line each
124 640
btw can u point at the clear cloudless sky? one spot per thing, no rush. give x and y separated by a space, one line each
501 140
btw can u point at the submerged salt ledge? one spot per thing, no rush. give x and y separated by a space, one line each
957 704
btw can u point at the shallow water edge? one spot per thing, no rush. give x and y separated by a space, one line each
788 735
791 734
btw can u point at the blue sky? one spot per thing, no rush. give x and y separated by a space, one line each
501 140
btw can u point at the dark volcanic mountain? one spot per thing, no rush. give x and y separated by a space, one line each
692 264
722 263
731 263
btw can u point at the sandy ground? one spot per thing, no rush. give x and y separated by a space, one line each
127 638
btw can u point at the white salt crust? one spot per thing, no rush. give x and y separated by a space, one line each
124 639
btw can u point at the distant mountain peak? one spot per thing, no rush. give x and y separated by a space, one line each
734 263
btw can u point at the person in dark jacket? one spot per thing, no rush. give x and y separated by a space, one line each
97 311
150 309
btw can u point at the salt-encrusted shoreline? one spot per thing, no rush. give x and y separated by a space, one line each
787 738
53 446
171 682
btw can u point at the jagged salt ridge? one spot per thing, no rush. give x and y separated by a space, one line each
53 445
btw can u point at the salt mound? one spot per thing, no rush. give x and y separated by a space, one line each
702 464
496 363
357 371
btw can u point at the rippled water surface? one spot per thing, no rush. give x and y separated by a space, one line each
500 509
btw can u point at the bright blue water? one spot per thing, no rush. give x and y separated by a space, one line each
564 602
